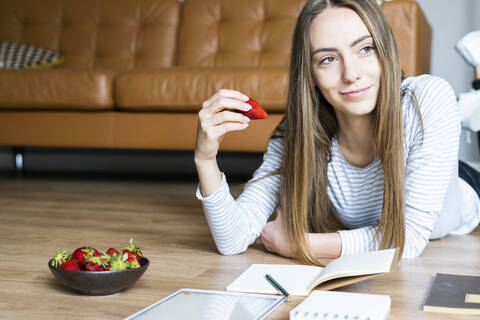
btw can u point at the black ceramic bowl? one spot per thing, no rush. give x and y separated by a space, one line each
99 283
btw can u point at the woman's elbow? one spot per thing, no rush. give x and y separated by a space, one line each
230 251
412 251
227 253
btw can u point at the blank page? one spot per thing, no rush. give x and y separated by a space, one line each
361 263
296 279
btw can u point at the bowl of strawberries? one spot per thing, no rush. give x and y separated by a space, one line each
92 272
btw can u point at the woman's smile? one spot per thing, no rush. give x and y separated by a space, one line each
356 94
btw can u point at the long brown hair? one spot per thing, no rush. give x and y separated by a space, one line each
310 124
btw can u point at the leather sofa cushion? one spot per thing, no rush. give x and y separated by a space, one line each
412 34
185 89
108 34
58 89
237 33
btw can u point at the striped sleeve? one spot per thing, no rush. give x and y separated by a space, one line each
235 224
431 161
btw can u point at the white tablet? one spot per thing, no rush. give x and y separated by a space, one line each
207 305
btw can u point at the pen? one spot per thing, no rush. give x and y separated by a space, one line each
276 285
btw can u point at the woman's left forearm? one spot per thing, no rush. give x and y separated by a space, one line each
325 245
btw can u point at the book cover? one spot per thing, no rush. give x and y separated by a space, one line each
453 293
300 280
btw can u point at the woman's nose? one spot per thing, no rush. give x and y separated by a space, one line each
351 72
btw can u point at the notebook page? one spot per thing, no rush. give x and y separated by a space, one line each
359 264
342 305
296 279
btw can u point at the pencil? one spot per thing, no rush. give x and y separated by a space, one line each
276 285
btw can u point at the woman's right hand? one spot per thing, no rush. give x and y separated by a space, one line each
216 118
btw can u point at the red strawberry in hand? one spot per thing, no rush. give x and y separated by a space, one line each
256 112
70 265
80 253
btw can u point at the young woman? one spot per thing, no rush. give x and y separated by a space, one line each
361 161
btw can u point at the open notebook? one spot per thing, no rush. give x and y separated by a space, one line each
300 280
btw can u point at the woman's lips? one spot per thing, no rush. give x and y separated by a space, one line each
356 93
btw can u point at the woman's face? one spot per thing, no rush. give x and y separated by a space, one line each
345 61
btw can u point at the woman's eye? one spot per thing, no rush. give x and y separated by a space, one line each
367 49
327 60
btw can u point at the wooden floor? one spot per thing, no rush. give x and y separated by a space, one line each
40 215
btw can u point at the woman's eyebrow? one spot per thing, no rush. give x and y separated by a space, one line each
354 43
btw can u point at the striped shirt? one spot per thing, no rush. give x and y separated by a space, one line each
437 201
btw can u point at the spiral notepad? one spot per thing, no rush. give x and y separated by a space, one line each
323 305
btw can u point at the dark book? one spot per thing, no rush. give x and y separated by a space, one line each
453 293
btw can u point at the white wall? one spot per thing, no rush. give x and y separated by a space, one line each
476 15
450 21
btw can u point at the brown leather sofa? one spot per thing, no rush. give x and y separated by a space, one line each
136 72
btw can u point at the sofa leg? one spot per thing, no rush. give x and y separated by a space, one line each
18 159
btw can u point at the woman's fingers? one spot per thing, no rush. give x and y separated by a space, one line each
214 133
279 211
215 120
224 117
223 122
264 241
265 237
258 241
226 93
219 106
225 99
222 129
222 103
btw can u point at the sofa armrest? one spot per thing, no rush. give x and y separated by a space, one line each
413 35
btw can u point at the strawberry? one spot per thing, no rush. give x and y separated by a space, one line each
118 262
106 259
80 253
132 259
256 112
112 251
59 258
96 263
131 256
71 265
90 266
134 249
